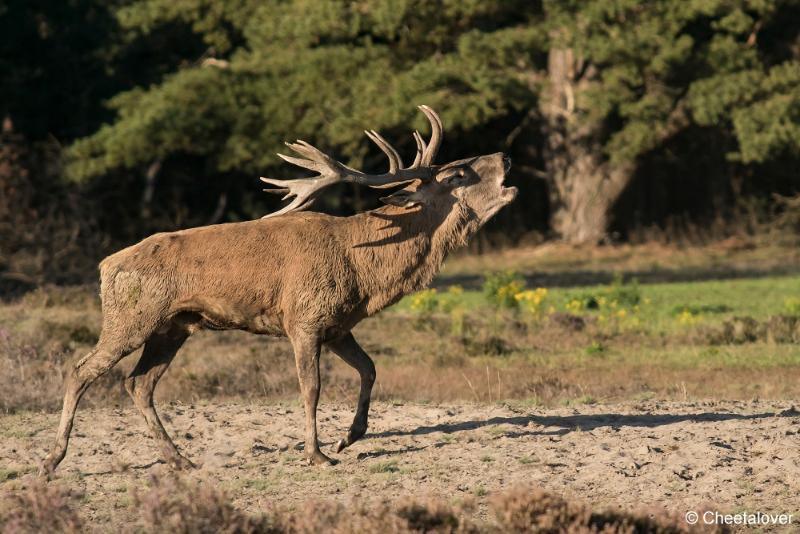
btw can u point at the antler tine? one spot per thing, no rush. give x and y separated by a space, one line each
303 191
315 160
420 149
436 136
295 205
305 163
395 163
311 152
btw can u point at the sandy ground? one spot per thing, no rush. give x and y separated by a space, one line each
725 456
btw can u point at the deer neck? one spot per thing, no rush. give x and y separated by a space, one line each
398 251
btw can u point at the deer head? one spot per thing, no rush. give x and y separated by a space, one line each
474 183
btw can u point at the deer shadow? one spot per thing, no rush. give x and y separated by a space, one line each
570 423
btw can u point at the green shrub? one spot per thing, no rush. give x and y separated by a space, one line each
532 301
595 347
501 289
792 306
425 302
626 294
618 294
452 299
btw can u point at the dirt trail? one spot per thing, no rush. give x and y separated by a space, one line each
726 456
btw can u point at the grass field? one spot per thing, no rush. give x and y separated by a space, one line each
735 338
635 380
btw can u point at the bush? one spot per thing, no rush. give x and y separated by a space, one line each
619 294
535 511
176 505
792 306
626 294
40 508
532 301
425 302
501 289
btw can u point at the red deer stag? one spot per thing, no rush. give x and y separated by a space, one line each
308 276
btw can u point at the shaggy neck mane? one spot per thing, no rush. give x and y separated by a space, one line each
398 251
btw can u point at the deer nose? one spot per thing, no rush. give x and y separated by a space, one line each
506 163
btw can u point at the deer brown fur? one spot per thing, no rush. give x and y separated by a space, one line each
307 276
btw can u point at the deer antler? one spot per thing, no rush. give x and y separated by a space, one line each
330 171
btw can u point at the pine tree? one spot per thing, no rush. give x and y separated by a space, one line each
624 76
604 82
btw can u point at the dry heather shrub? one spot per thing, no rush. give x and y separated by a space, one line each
179 506
534 511
406 518
176 505
39 508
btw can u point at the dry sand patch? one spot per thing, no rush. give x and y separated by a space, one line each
725 456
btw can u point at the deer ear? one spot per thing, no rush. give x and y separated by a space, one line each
403 199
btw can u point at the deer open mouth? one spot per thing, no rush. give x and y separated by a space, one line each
508 193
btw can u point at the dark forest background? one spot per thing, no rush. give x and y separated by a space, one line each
625 119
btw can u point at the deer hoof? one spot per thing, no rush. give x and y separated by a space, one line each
317 458
45 471
182 464
341 445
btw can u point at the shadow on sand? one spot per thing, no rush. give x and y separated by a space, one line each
569 423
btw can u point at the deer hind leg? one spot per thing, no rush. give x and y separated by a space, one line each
351 352
99 361
158 353
306 355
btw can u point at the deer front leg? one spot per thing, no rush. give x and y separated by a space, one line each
351 352
306 354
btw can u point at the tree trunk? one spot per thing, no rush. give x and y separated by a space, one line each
582 195
583 184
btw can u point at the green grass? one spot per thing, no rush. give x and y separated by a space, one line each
13 474
756 297
755 356
258 484
384 467
8 474
660 305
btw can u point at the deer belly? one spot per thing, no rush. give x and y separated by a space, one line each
267 324
218 314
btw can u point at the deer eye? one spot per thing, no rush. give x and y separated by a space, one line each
454 176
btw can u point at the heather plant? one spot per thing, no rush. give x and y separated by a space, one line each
40 508
174 504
